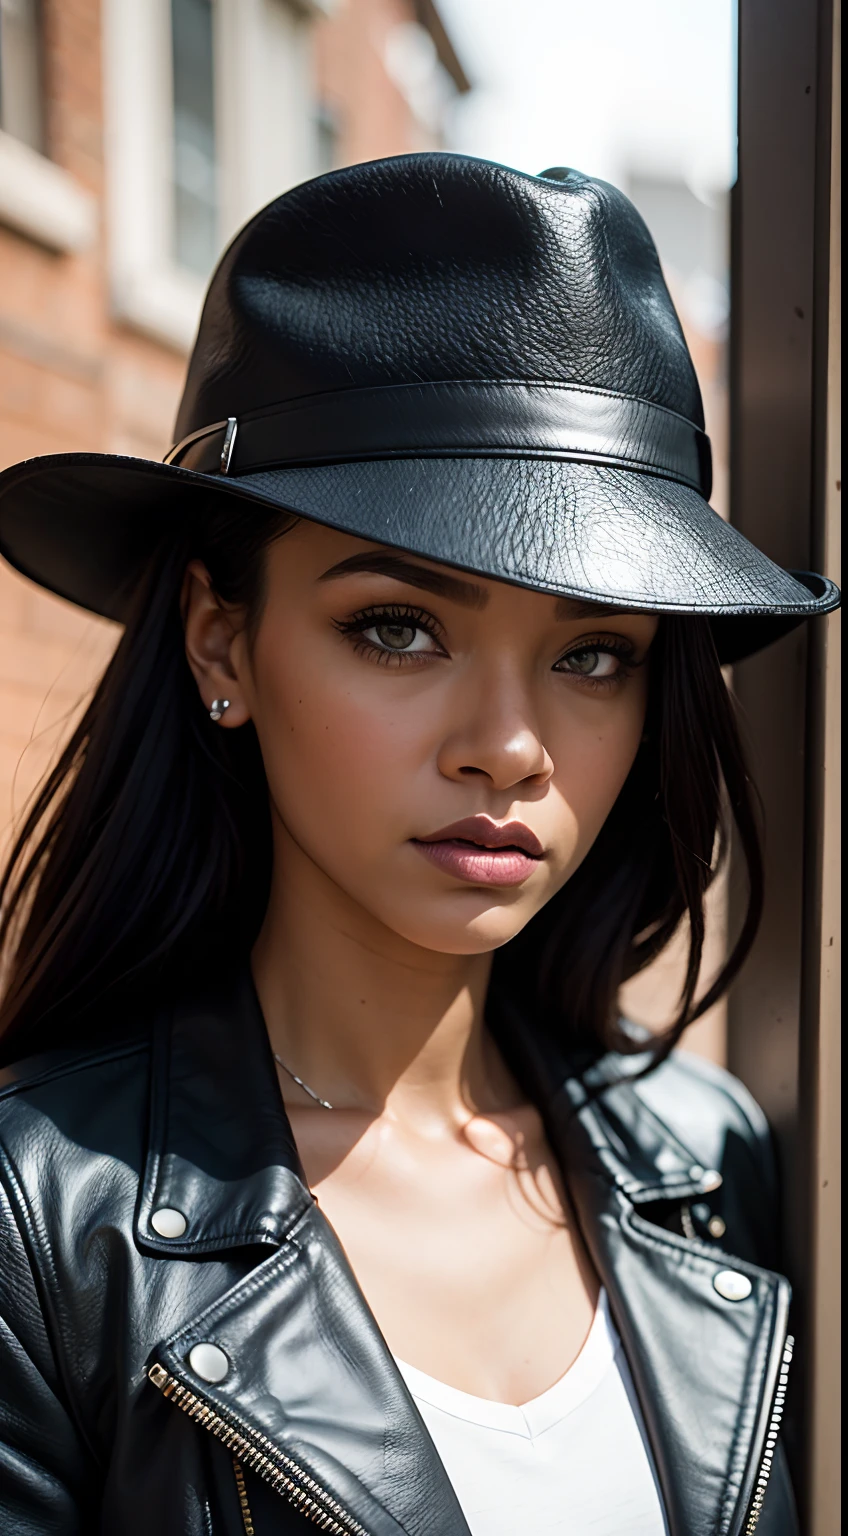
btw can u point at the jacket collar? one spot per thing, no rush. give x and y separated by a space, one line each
221 1153
629 1145
705 1370
220 1148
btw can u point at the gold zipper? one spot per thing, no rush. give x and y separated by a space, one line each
246 1516
260 1455
777 1407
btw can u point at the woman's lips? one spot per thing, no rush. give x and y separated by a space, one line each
484 852
480 866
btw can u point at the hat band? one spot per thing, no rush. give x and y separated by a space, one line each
455 419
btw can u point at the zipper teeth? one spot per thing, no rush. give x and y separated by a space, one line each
266 1459
244 1506
777 1408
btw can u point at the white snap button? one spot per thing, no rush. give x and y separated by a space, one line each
208 1361
696 1171
731 1285
711 1180
168 1222
716 1226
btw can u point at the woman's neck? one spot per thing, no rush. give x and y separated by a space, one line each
367 1019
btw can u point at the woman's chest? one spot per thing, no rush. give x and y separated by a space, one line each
472 1266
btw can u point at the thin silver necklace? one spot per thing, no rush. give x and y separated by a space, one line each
301 1084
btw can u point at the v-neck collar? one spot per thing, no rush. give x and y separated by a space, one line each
535 1417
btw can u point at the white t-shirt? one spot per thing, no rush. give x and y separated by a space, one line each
574 1461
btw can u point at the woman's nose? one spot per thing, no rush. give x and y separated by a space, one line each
499 738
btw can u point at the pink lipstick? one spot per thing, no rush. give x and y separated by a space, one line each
484 852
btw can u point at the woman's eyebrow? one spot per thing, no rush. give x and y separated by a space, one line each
468 593
573 608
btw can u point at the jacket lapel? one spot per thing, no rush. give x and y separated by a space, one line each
310 1372
705 1369
220 1149
309 1369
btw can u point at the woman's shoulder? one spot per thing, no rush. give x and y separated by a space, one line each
705 1103
73 1130
83 1103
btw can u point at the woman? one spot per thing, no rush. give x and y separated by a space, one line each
319 1123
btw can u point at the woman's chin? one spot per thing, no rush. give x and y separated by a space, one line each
456 933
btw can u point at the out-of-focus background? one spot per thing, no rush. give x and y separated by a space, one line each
139 135
136 136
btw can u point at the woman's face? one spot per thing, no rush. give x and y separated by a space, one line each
442 748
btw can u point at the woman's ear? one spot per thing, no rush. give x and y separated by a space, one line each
214 645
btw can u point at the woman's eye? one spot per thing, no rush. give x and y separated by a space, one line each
399 636
392 633
591 662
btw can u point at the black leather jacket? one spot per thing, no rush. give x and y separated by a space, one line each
312 1419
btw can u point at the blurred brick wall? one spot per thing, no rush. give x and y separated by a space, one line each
368 107
68 380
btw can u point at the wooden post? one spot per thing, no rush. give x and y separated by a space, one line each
783 496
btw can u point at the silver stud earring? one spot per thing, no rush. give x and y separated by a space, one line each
218 708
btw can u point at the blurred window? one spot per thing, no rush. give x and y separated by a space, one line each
690 228
412 61
195 170
21 102
210 113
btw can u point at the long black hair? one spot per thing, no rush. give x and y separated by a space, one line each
145 858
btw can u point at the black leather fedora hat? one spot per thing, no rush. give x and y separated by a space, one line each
451 357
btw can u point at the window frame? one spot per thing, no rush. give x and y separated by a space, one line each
150 292
43 202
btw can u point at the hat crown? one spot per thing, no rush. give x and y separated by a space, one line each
437 267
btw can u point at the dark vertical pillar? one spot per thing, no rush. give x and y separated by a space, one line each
779 300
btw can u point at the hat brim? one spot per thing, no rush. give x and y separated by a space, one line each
83 526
